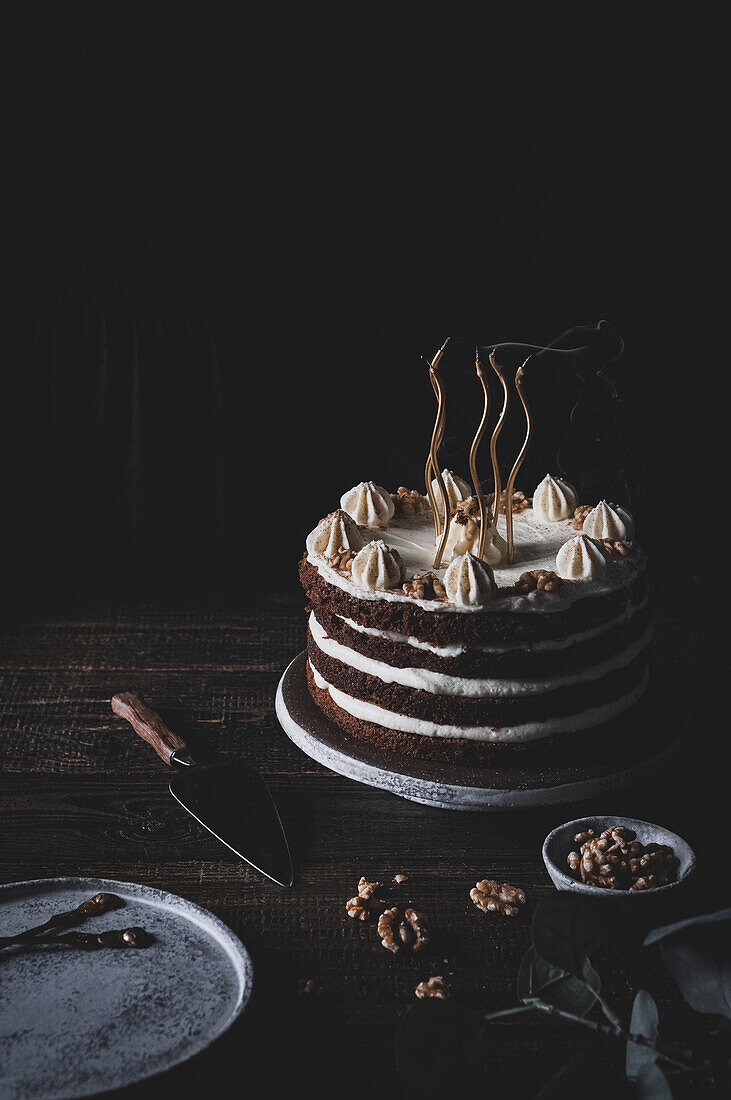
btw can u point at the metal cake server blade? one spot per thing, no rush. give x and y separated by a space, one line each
233 802
230 800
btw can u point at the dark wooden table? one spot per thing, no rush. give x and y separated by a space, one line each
82 795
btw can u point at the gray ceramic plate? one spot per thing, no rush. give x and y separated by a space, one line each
76 1023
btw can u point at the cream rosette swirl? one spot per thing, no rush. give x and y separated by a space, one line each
456 487
377 566
334 533
609 521
554 499
368 504
581 559
469 582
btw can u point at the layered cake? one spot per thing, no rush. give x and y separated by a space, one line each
540 630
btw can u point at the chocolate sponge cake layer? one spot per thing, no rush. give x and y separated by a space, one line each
454 750
487 710
444 625
494 756
558 657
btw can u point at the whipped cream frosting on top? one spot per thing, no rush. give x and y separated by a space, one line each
469 582
537 543
457 489
369 504
554 499
581 559
377 566
335 532
609 521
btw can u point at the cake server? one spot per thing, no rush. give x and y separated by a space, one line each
228 798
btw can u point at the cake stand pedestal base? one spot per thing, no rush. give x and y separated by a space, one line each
606 759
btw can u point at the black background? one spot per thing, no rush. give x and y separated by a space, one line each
227 248
227 245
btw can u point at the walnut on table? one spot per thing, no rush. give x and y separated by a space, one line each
493 897
537 580
580 515
359 907
432 987
403 930
424 586
616 860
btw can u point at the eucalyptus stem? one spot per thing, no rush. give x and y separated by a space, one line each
510 1011
616 1031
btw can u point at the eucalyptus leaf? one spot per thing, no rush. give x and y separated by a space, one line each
537 978
666 930
645 1021
652 1084
697 952
567 928
699 960
440 1051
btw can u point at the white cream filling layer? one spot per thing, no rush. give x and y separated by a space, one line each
440 650
440 683
527 731
457 649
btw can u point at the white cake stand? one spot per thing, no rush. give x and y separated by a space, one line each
609 758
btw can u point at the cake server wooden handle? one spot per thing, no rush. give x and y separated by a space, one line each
148 725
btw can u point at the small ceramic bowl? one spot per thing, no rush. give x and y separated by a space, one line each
560 842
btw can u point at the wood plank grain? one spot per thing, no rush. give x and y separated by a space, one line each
80 794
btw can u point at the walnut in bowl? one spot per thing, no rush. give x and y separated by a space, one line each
616 858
